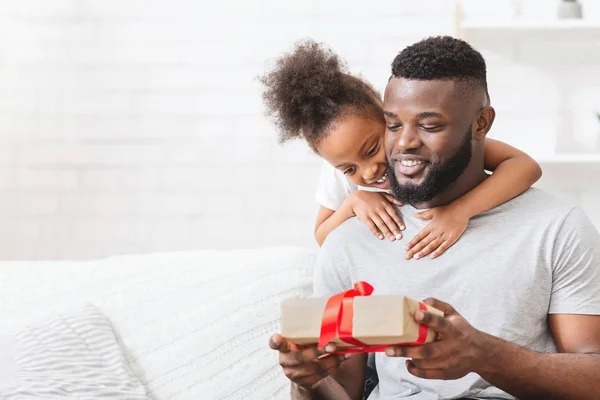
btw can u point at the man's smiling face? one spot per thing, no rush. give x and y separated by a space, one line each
428 136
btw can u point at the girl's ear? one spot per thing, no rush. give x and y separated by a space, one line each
484 122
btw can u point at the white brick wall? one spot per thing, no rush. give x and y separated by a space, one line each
136 126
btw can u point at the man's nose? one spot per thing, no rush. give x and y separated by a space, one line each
408 138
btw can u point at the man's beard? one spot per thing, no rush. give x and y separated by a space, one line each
440 176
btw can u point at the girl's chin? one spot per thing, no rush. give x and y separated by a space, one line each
385 185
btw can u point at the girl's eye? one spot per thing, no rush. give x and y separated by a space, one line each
349 171
372 152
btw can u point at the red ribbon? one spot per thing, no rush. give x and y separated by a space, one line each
338 317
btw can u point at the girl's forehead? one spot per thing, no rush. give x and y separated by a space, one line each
350 137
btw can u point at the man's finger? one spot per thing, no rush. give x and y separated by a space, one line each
446 308
422 352
306 362
308 354
277 342
318 366
317 372
435 363
436 322
425 373
329 369
398 351
325 351
332 361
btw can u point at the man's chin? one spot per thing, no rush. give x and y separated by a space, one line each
411 180
409 188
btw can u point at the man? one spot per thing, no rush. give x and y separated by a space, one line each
521 289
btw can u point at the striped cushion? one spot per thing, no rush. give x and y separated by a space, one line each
75 356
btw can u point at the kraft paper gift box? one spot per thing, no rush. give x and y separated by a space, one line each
376 321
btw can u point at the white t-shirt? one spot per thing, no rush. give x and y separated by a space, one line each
334 187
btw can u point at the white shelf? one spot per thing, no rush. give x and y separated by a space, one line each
531 25
569 171
557 159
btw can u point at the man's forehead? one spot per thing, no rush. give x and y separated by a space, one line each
399 88
401 93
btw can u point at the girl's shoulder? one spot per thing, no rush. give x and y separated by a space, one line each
333 187
336 178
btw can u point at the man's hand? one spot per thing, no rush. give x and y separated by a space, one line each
459 350
306 366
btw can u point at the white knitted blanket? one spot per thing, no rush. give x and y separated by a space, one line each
194 325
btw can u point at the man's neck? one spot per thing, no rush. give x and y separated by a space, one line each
465 183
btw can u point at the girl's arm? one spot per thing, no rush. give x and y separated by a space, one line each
514 173
374 209
328 220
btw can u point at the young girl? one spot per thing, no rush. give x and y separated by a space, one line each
311 95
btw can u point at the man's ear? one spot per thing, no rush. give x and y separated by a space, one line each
484 122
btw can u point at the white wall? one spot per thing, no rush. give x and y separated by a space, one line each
137 126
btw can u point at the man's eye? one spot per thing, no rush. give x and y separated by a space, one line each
349 171
431 128
393 128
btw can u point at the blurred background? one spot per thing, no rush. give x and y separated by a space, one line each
137 126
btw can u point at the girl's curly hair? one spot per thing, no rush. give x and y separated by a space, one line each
310 88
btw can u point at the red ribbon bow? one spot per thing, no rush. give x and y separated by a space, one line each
338 317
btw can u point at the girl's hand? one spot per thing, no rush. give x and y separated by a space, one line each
446 227
376 211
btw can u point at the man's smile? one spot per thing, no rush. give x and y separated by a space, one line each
409 165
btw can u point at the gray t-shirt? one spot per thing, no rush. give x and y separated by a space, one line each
514 265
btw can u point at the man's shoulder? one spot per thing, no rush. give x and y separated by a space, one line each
534 205
541 198
351 230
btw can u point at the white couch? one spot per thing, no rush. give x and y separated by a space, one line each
195 325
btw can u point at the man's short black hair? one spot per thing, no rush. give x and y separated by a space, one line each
442 58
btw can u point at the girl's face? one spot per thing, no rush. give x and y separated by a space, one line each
355 146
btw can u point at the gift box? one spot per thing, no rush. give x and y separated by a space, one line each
355 320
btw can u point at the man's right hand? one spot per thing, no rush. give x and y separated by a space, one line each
306 366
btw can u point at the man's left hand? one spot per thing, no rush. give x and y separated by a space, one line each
459 350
